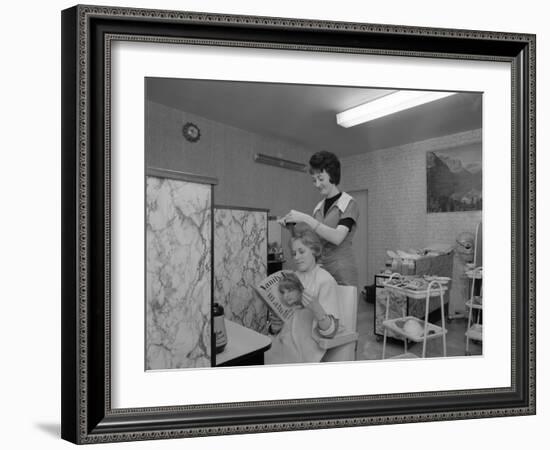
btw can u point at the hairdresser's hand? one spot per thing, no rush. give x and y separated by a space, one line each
284 221
296 216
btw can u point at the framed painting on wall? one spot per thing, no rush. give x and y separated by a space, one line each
454 179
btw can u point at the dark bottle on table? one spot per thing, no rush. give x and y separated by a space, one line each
219 328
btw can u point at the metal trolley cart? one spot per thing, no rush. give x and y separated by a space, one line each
401 285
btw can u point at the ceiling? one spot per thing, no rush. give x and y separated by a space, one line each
306 114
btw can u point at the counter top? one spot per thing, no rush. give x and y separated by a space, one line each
242 343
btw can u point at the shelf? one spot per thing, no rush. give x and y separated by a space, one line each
475 303
475 332
396 325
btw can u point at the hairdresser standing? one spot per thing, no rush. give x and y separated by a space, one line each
334 219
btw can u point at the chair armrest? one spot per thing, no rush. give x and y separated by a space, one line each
340 339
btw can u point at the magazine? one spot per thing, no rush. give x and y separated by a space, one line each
269 291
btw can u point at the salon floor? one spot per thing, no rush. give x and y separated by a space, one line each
369 347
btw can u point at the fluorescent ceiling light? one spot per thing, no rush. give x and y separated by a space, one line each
384 106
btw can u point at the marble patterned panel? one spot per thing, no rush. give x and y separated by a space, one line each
240 262
178 266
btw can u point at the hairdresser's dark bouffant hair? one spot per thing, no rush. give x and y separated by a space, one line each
328 162
309 238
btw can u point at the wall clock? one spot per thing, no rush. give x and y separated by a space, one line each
191 132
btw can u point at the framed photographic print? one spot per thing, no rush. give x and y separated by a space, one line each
259 214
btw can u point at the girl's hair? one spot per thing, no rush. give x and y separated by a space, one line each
303 233
328 162
290 282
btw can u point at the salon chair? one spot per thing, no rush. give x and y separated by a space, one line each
342 347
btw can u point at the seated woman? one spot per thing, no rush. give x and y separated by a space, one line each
312 291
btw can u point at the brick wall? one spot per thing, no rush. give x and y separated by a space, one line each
396 182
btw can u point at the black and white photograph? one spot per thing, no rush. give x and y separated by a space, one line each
291 221
295 223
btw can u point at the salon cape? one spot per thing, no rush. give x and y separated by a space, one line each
297 340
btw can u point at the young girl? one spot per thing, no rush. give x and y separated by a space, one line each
313 291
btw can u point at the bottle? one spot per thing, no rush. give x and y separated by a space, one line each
219 328
409 267
396 265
